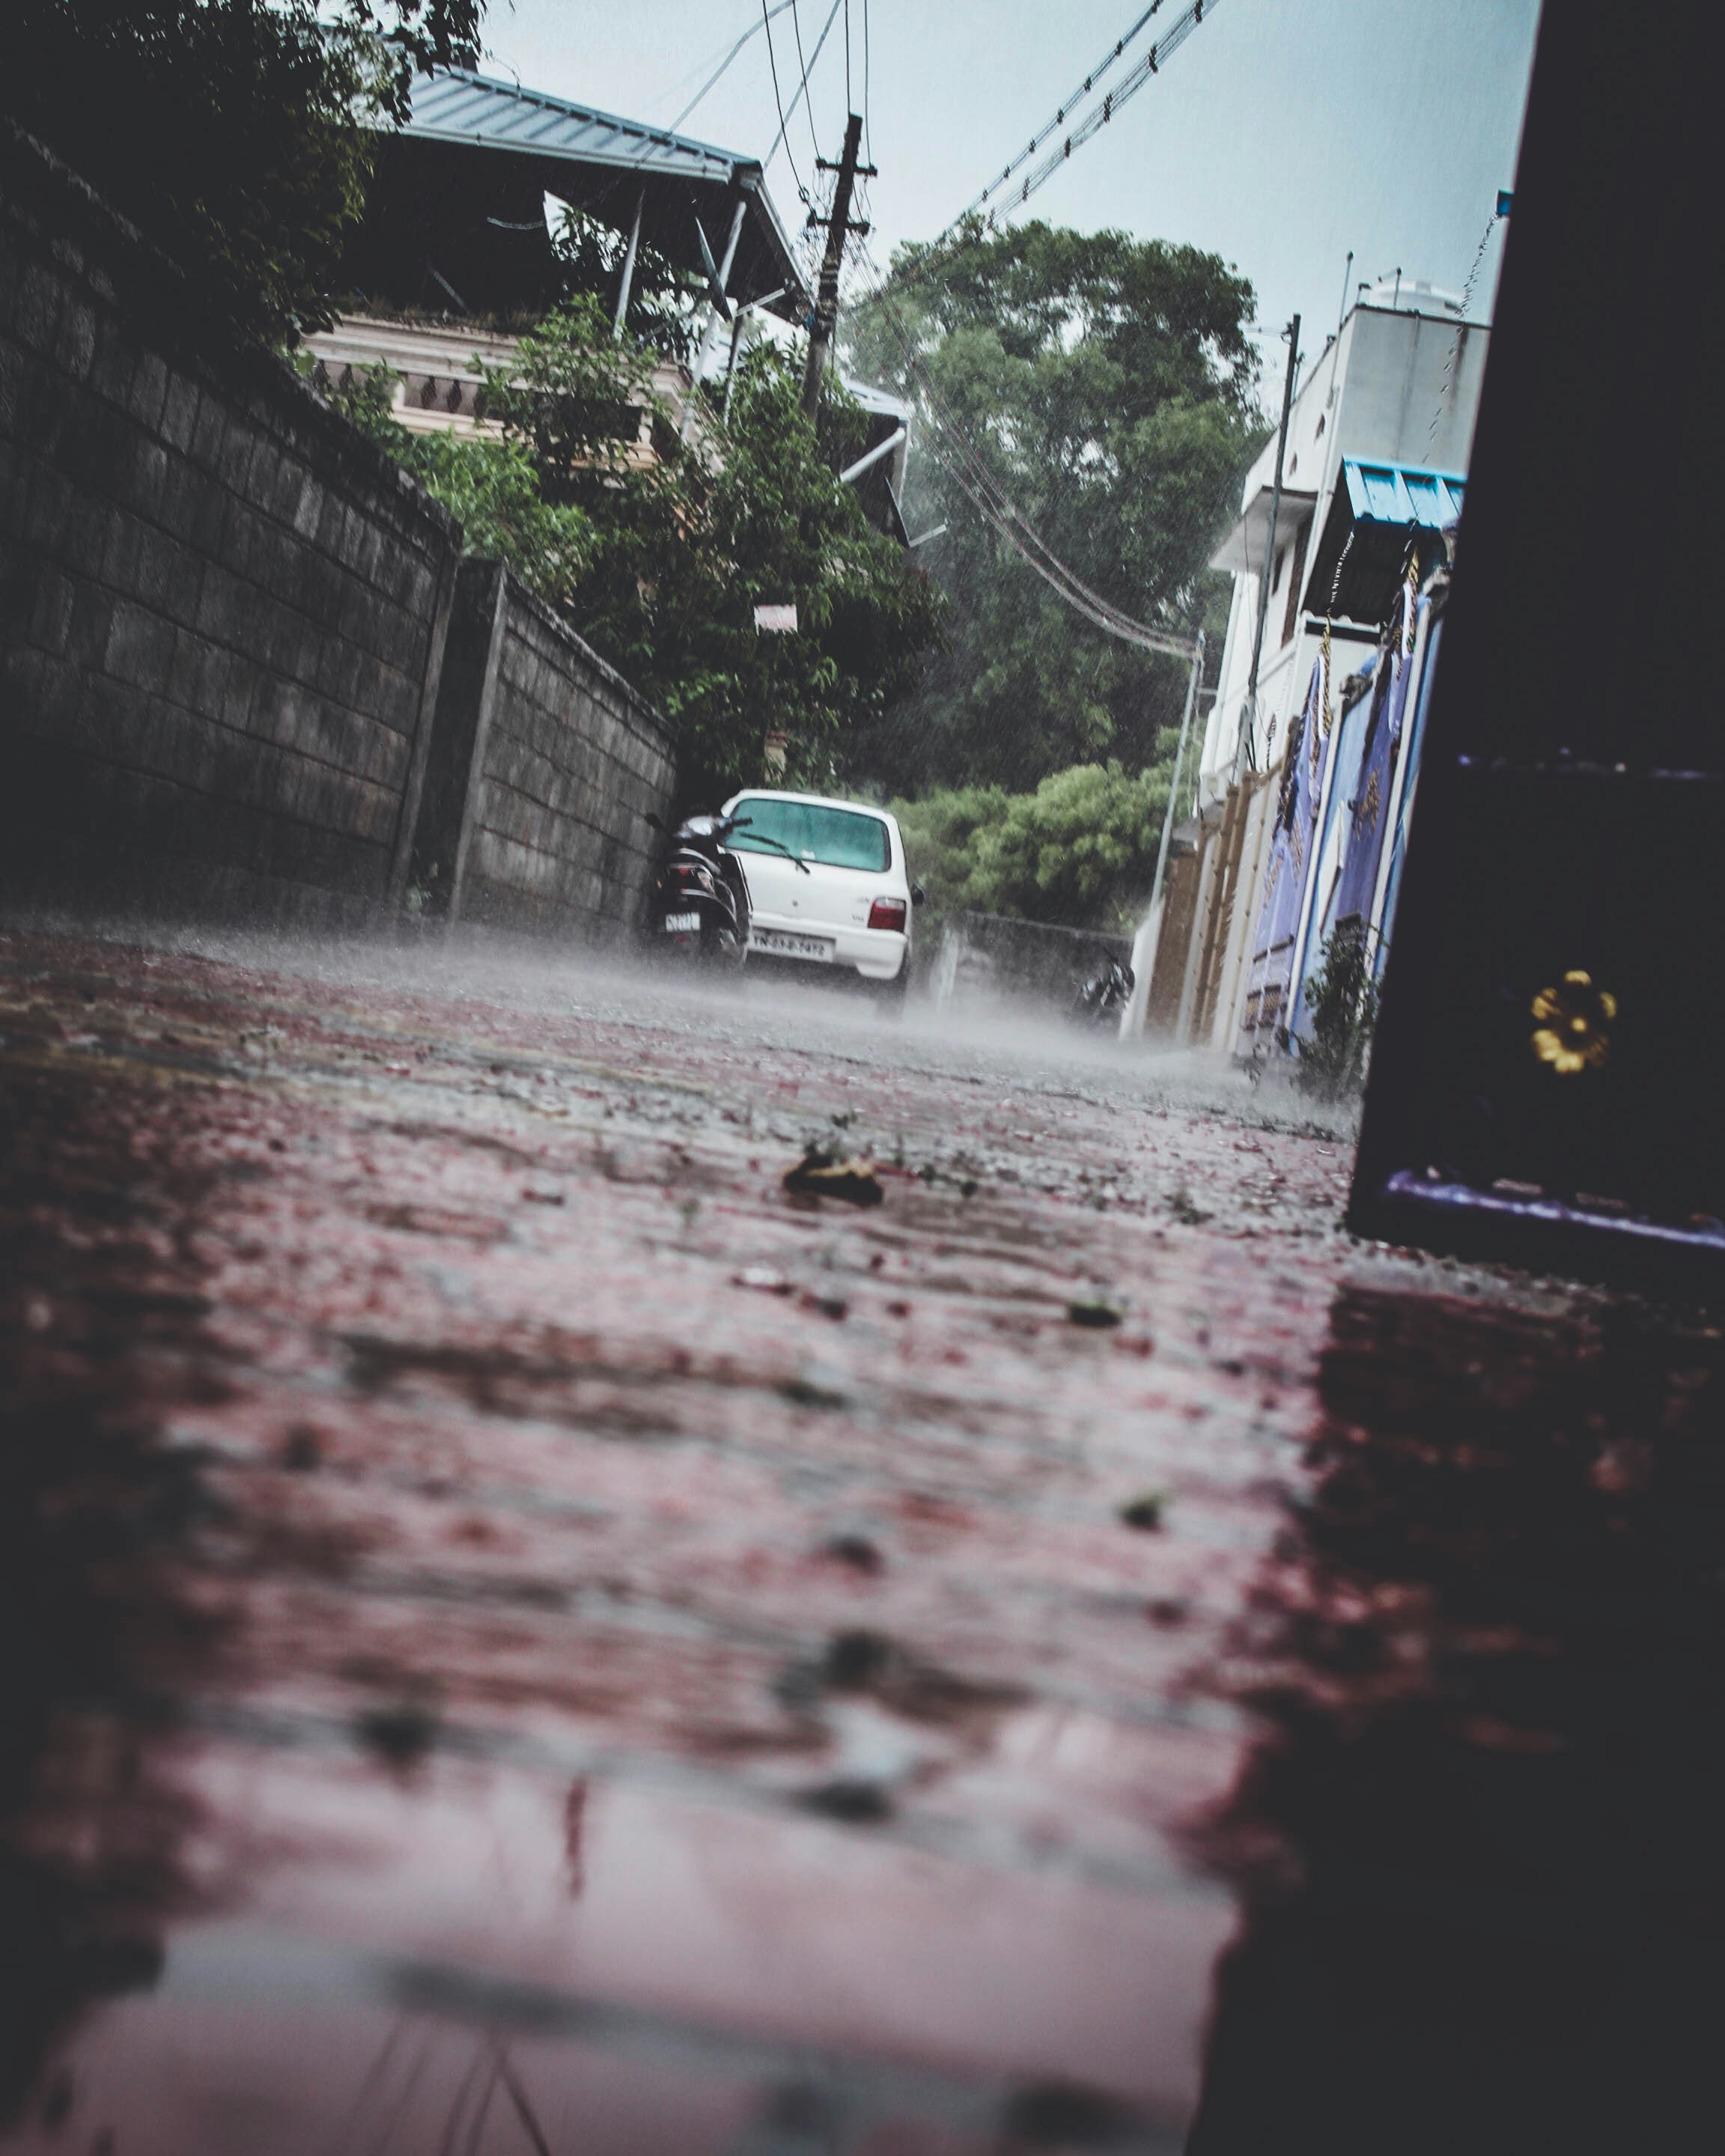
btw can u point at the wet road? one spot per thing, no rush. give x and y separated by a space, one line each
523 1634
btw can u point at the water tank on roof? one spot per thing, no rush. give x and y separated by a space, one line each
1413 295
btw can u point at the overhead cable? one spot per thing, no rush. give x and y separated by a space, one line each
868 138
1099 116
785 117
753 30
772 62
809 104
1066 105
965 464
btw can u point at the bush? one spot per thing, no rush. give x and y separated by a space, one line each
491 487
1343 998
1079 851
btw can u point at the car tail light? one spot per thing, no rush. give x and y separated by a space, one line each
887 913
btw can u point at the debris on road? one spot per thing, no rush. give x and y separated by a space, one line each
821 1174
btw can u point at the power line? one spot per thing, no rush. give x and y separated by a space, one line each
868 137
809 103
801 91
773 61
752 31
1099 116
972 475
1083 91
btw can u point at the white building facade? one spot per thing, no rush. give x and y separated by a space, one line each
1397 388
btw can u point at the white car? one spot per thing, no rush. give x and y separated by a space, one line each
827 885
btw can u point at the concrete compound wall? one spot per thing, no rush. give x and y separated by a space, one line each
984 957
545 767
224 621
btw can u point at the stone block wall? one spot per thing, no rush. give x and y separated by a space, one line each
222 611
544 768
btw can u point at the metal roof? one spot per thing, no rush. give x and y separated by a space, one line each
604 164
1403 493
1353 568
453 105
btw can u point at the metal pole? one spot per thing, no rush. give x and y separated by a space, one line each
1174 789
1146 949
1249 714
826 302
1345 275
724 268
873 456
629 264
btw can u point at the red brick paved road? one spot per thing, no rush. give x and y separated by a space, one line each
529 1632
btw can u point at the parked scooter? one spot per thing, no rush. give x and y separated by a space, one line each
1104 997
699 905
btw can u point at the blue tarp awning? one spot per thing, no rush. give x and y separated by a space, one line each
1376 506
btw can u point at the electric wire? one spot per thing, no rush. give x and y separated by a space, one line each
751 31
1067 104
785 115
970 469
953 450
867 137
1100 115
772 62
809 103
728 54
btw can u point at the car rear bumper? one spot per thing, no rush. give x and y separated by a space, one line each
878 954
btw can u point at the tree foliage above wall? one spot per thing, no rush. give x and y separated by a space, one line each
660 560
1108 383
236 133
747 511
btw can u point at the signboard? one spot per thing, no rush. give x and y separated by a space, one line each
781 618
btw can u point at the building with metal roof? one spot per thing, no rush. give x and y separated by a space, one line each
1378 442
454 213
1374 508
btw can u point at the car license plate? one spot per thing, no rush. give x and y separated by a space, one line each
681 924
782 946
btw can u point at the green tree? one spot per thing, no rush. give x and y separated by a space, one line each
491 487
237 134
689 540
1080 849
1107 383
665 305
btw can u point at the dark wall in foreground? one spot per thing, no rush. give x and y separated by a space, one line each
225 620
1545 1084
221 610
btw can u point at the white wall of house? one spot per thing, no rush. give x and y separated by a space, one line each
1396 385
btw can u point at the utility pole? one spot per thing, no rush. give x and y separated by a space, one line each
839 228
1249 711
1193 680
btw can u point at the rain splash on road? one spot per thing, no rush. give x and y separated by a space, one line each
522 1633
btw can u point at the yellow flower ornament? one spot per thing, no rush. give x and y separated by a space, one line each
1572 1034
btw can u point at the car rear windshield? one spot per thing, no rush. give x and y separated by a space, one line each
839 838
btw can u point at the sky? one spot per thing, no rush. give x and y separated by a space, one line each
1281 135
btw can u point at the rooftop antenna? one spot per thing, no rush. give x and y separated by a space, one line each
1347 274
